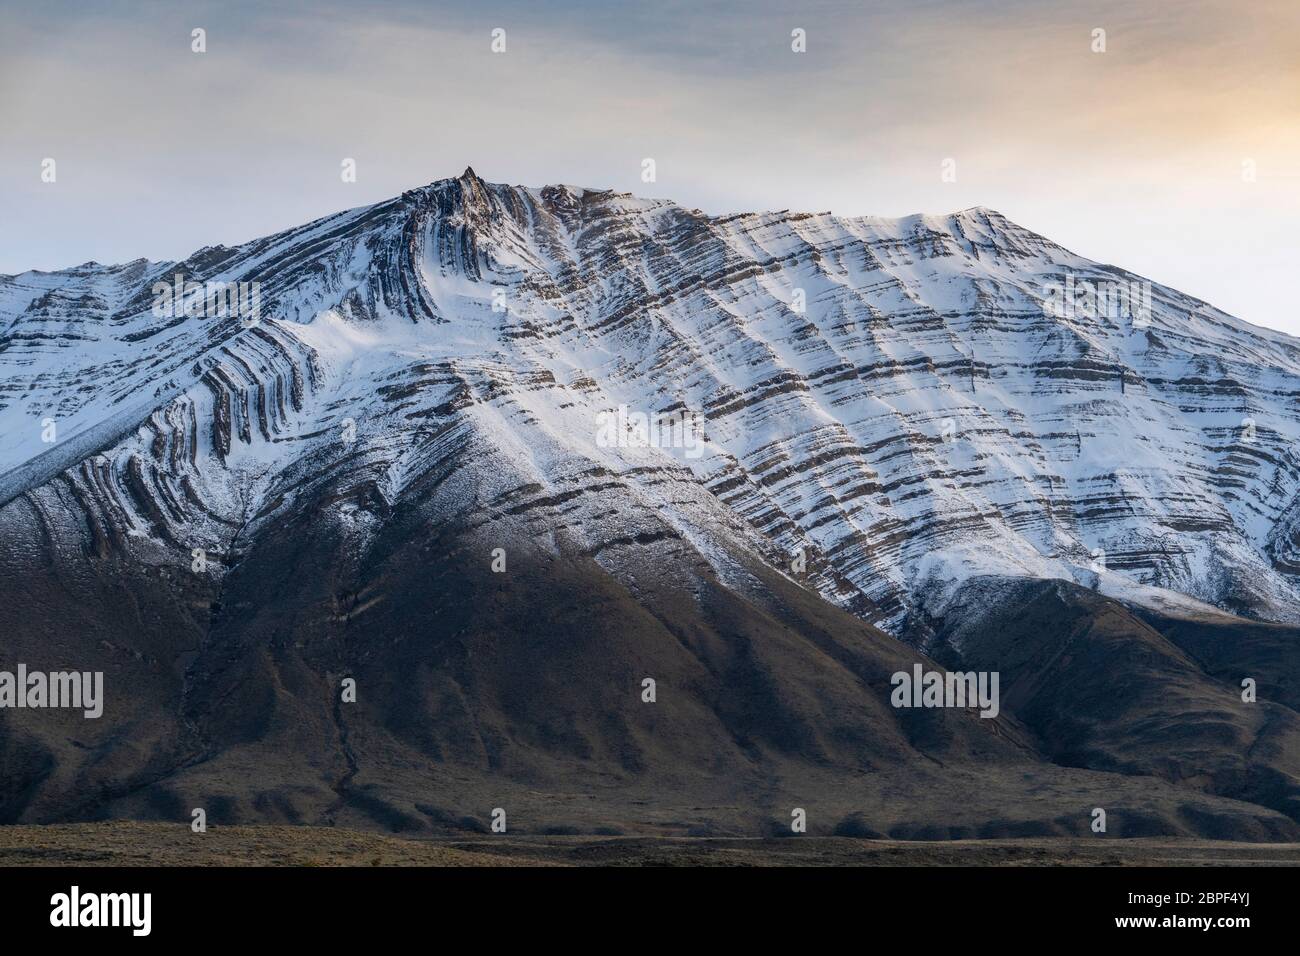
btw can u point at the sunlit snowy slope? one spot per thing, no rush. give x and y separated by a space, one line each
894 405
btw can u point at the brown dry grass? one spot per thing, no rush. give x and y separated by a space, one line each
160 844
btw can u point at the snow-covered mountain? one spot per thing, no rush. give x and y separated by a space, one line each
495 457
879 408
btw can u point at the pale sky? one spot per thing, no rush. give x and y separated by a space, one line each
1134 156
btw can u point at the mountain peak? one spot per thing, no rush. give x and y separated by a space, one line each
535 312
983 215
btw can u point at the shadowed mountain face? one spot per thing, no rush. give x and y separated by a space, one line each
523 690
401 478
1100 687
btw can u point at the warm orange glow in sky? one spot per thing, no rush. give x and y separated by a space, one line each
1174 153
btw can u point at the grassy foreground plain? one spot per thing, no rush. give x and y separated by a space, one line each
161 844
